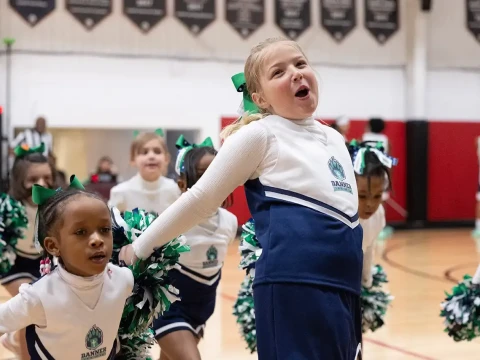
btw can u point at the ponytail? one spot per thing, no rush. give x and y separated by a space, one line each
240 122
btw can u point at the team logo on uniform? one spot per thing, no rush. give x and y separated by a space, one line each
337 171
93 341
212 257
336 168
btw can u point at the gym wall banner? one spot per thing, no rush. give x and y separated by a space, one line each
89 13
293 17
382 19
33 11
196 15
473 17
145 14
245 16
338 18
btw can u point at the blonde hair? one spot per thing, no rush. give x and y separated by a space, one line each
253 70
144 138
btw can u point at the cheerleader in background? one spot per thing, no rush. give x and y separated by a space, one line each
179 330
148 189
375 132
371 165
30 167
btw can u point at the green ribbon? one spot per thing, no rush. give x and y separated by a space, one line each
184 146
241 85
41 194
24 150
158 131
378 150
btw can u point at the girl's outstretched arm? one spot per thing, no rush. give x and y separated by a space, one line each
236 162
21 311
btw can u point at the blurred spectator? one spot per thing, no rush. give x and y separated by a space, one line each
34 137
60 176
374 132
106 172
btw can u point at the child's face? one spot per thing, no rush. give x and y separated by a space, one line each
105 166
288 84
200 169
151 160
83 239
38 173
369 199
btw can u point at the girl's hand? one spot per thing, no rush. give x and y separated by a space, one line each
127 255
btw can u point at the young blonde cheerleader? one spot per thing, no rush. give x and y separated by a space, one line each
302 194
179 329
21 259
148 189
372 166
74 310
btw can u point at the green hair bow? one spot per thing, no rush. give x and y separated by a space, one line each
24 150
358 152
184 147
241 85
41 194
158 131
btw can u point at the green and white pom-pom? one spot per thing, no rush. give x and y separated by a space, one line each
244 311
137 347
250 249
13 223
152 292
374 301
461 310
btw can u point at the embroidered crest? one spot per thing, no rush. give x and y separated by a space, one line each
94 338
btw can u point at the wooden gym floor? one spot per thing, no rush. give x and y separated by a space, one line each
420 265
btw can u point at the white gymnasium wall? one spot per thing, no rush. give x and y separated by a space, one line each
450 43
128 93
453 85
453 95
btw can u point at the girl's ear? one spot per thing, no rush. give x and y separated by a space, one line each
260 101
51 245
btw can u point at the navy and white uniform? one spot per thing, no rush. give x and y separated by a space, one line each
27 262
306 220
199 275
302 194
70 317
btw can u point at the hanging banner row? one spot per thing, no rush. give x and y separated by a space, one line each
293 17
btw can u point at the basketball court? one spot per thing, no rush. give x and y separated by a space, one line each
420 265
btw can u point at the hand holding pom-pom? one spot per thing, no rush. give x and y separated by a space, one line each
152 292
127 255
